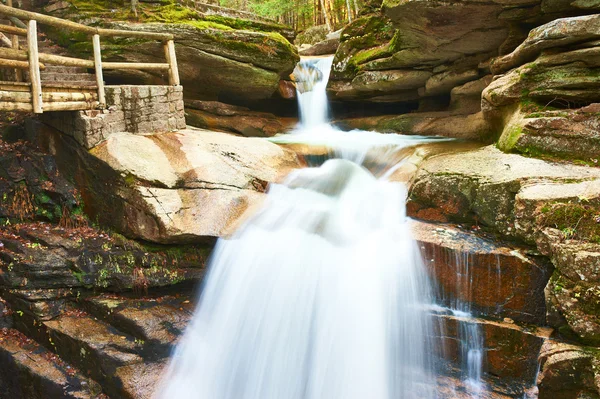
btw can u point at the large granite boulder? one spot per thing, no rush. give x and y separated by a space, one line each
218 57
462 118
419 52
186 186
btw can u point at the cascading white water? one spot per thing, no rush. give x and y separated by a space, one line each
312 75
320 295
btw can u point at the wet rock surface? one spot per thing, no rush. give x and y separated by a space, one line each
480 275
510 350
553 208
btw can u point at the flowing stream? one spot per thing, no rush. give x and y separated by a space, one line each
322 294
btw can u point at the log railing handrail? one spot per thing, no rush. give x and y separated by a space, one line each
31 59
62 23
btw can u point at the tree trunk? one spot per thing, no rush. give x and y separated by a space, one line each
349 11
134 4
325 15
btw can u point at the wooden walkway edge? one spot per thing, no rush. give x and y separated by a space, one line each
39 96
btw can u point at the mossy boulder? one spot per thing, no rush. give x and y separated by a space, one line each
424 36
362 40
572 135
217 56
493 189
544 107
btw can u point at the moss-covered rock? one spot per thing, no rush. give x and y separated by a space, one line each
572 135
217 56
504 192
544 107
362 40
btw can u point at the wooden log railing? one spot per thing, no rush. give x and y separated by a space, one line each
34 61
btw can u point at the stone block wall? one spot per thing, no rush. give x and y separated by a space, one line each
132 109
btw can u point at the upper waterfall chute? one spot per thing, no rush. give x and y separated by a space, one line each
311 76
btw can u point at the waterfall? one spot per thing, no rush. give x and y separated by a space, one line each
311 76
322 294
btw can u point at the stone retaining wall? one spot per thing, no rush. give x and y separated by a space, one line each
132 109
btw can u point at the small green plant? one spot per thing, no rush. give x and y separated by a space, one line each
568 232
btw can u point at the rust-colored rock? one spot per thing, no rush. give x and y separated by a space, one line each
287 89
477 274
214 115
510 351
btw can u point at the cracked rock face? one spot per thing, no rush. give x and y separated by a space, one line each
192 184
189 186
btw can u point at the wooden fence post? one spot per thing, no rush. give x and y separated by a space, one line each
98 68
34 68
172 61
15 45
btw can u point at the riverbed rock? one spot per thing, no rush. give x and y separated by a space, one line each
481 186
470 126
218 56
418 37
188 186
461 119
218 116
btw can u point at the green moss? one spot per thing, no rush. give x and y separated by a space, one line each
579 221
97 13
172 13
182 255
245 24
371 54
510 138
207 25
